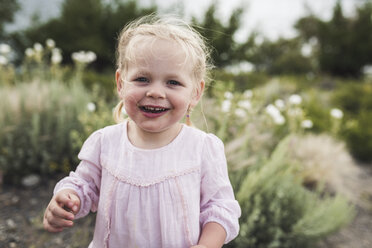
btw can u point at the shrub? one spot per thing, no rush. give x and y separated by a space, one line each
356 101
277 211
104 81
35 123
327 166
358 135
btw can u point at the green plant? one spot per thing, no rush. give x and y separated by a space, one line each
356 102
36 119
277 211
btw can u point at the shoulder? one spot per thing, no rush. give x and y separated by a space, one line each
104 135
209 144
110 131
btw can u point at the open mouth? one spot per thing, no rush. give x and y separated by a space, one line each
149 109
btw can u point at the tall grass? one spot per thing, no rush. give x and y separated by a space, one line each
36 119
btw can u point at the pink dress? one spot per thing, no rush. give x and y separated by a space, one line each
153 198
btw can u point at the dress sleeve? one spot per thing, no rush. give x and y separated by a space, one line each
218 203
86 179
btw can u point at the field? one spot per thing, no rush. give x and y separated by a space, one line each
298 150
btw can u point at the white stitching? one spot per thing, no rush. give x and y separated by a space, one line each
144 183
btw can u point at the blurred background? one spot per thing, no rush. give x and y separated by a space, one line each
290 96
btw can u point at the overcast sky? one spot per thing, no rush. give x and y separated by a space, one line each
273 18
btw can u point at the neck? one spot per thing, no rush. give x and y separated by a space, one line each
151 140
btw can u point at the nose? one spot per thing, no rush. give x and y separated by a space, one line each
155 90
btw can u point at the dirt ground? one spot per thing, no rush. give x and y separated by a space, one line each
22 210
21 220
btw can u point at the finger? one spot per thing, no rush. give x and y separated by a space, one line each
57 222
50 228
75 203
63 199
58 211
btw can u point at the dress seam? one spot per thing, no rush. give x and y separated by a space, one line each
185 214
144 183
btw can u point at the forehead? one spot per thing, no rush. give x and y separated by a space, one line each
144 49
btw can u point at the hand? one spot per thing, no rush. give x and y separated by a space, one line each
61 210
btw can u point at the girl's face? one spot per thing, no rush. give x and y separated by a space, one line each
158 85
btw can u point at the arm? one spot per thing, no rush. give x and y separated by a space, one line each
219 211
213 236
84 183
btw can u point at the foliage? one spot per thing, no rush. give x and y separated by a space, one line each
278 212
342 44
36 120
281 57
240 81
47 114
43 114
80 27
326 165
355 99
103 82
221 37
358 134
7 10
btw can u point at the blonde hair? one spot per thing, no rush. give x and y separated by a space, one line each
169 28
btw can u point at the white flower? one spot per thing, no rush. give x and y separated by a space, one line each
3 60
246 104
84 57
38 47
4 48
29 52
91 107
367 70
275 114
306 50
248 93
228 95
337 113
272 110
226 105
279 120
279 103
50 43
307 124
56 56
90 56
295 99
240 113
78 57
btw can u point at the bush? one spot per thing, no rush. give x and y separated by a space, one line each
241 81
327 166
277 211
36 120
105 82
358 135
356 101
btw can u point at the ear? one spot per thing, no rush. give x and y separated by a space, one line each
119 82
197 94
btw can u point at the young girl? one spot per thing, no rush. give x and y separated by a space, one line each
153 181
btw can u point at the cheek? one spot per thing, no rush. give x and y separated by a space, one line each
181 101
130 93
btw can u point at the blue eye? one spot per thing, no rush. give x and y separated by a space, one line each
141 79
174 82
